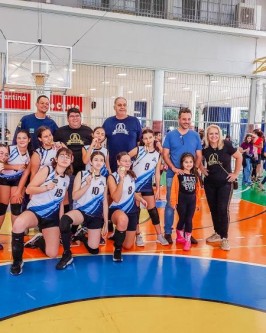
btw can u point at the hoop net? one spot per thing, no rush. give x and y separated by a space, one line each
40 80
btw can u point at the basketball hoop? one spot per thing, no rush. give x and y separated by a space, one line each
40 80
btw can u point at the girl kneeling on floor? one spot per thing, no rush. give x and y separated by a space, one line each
47 190
90 209
123 209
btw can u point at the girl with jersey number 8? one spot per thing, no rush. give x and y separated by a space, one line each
47 190
123 209
90 210
147 163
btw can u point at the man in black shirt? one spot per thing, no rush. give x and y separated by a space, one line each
74 136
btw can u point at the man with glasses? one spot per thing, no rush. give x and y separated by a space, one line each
74 136
179 141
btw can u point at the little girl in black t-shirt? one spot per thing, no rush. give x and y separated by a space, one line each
185 193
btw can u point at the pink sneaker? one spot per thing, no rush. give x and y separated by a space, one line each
179 236
187 245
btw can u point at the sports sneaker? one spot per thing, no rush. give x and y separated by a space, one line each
117 256
102 241
193 240
139 240
65 260
187 245
32 243
80 234
161 240
214 238
225 245
16 267
169 239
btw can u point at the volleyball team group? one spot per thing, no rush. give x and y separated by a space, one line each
73 183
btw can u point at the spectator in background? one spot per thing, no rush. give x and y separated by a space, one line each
33 121
122 131
247 151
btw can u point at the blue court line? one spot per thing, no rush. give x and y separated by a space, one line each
91 277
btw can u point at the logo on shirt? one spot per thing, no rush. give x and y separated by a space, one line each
120 129
189 183
213 159
75 139
154 159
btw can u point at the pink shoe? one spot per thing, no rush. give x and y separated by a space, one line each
179 236
187 245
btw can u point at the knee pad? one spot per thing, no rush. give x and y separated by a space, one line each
15 209
93 251
154 216
3 208
66 208
65 224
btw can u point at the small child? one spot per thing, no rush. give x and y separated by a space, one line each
96 145
185 195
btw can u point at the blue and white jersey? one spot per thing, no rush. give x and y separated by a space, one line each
144 167
15 157
91 202
46 156
127 202
47 204
104 172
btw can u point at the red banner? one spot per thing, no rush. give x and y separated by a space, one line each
16 101
56 102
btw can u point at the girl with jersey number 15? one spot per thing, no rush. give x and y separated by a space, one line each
47 190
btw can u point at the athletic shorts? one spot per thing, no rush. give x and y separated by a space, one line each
9 182
45 223
133 219
92 222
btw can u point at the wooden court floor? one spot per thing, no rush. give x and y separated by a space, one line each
157 288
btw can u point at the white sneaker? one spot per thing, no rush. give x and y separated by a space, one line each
225 245
214 238
161 240
139 240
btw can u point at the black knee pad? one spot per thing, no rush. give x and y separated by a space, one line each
154 216
15 209
3 208
65 224
93 251
66 208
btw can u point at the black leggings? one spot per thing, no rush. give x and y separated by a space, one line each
219 197
185 208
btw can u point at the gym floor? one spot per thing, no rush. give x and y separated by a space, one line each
156 287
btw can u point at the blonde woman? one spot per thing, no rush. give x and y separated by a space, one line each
218 182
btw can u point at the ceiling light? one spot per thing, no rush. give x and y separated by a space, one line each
214 81
92 89
148 85
122 74
105 82
172 78
130 92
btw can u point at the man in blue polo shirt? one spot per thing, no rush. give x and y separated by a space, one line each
122 131
33 121
179 141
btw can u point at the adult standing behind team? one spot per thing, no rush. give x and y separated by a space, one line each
179 141
122 131
74 136
33 121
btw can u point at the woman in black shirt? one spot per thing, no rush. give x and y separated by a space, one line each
218 182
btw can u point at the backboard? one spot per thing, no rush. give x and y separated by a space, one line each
37 64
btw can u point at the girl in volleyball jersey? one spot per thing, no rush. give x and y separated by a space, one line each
44 155
96 145
147 163
90 209
47 190
14 176
123 209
